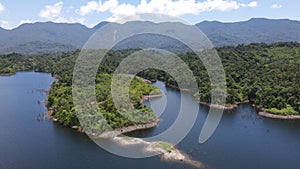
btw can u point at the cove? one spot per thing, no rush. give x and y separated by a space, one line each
243 140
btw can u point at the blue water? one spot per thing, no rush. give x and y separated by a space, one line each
243 140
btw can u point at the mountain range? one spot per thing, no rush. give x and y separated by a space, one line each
49 37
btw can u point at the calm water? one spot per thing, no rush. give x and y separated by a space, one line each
242 141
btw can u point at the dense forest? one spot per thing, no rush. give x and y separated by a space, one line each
60 97
266 74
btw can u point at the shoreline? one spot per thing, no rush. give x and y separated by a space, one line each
177 88
217 106
128 129
170 154
166 150
264 113
116 132
148 97
7 74
206 103
109 134
261 111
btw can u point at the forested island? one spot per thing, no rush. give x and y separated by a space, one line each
266 75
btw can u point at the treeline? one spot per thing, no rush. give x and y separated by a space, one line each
268 75
61 102
265 74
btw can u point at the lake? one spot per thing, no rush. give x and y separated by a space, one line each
243 139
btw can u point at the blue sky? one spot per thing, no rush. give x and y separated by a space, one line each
89 12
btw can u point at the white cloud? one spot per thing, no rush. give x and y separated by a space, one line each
4 24
62 19
182 7
25 21
98 6
1 8
122 10
88 8
54 13
51 11
253 4
168 7
276 6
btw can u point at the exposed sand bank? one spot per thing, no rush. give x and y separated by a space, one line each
165 150
117 132
277 116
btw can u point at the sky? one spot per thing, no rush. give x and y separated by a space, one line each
90 12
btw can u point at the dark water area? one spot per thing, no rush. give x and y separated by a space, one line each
243 140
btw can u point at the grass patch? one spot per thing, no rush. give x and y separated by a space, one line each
165 146
285 111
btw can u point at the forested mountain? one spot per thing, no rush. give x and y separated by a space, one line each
49 37
43 37
252 31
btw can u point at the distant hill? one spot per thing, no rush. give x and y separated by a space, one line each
252 31
41 37
49 37
39 47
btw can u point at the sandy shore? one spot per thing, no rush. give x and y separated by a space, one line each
144 98
117 132
144 80
276 116
261 111
223 107
217 106
170 154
